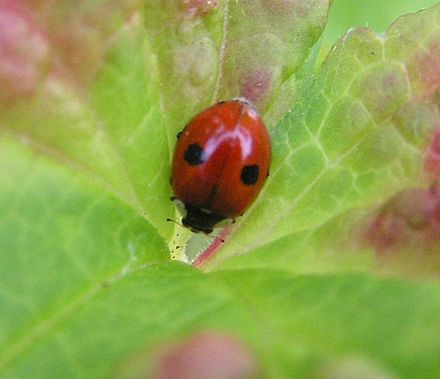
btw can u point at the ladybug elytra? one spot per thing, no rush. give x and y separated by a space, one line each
220 164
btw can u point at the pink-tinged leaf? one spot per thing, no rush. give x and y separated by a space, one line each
409 220
432 163
364 129
80 34
207 355
24 52
88 95
85 149
194 8
213 50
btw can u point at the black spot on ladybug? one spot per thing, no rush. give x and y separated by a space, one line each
249 174
194 155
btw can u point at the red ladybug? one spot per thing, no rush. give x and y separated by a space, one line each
220 163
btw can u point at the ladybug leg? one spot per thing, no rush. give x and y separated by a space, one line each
178 135
172 198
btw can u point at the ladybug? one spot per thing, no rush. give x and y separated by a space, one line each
220 164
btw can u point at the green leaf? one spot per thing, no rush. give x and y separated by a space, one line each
296 323
333 317
63 240
375 14
110 128
356 136
91 97
208 53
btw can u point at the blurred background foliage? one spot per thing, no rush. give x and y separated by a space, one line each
374 14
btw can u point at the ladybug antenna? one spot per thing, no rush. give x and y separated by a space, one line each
176 222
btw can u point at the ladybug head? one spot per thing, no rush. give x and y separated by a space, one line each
199 220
